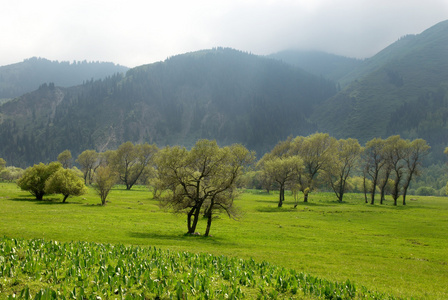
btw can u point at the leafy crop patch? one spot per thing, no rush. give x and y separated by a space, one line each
39 269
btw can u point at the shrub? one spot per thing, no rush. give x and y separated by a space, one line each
426 191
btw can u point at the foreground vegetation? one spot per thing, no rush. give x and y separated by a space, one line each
399 251
89 270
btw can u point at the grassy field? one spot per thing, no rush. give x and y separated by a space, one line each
400 251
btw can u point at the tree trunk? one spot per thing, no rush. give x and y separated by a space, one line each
374 183
341 195
341 188
190 213
209 223
281 196
383 186
365 189
65 198
405 188
372 198
383 191
305 197
396 191
192 229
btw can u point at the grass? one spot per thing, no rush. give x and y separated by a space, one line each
400 251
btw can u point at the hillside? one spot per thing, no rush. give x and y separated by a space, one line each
220 94
330 66
20 78
236 97
402 90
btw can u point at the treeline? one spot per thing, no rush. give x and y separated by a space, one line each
205 179
303 163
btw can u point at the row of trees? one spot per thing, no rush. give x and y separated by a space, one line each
204 180
302 163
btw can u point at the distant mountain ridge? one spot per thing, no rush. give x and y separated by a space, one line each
24 77
222 94
389 91
330 66
232 96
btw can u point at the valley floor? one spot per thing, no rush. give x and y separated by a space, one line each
399 251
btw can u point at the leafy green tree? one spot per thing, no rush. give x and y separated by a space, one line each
35 177
396 151
317 152
415 152
2 163
88 160
338 170
282 171
104 180
226 181
374 161
65 158
65 182
384 176
207 174
130 161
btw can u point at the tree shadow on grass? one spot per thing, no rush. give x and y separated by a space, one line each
290 207
267 201
273 209
45 201
177 237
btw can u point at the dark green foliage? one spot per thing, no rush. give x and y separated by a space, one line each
323 64
220 94
20 78
401 90
425 191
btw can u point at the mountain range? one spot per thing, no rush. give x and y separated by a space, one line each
24 77
233 96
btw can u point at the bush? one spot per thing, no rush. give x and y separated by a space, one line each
426 191
34 178
66 182
11 174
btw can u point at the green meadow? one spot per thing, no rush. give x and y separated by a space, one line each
398 251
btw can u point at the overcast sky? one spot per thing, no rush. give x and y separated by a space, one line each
136 32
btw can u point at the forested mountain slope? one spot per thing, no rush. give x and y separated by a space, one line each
330 66
20 78
232 96
220 94
402 90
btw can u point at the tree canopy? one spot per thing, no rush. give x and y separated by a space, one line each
129 161
34 178
65 158
65 182
103 181
203 178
